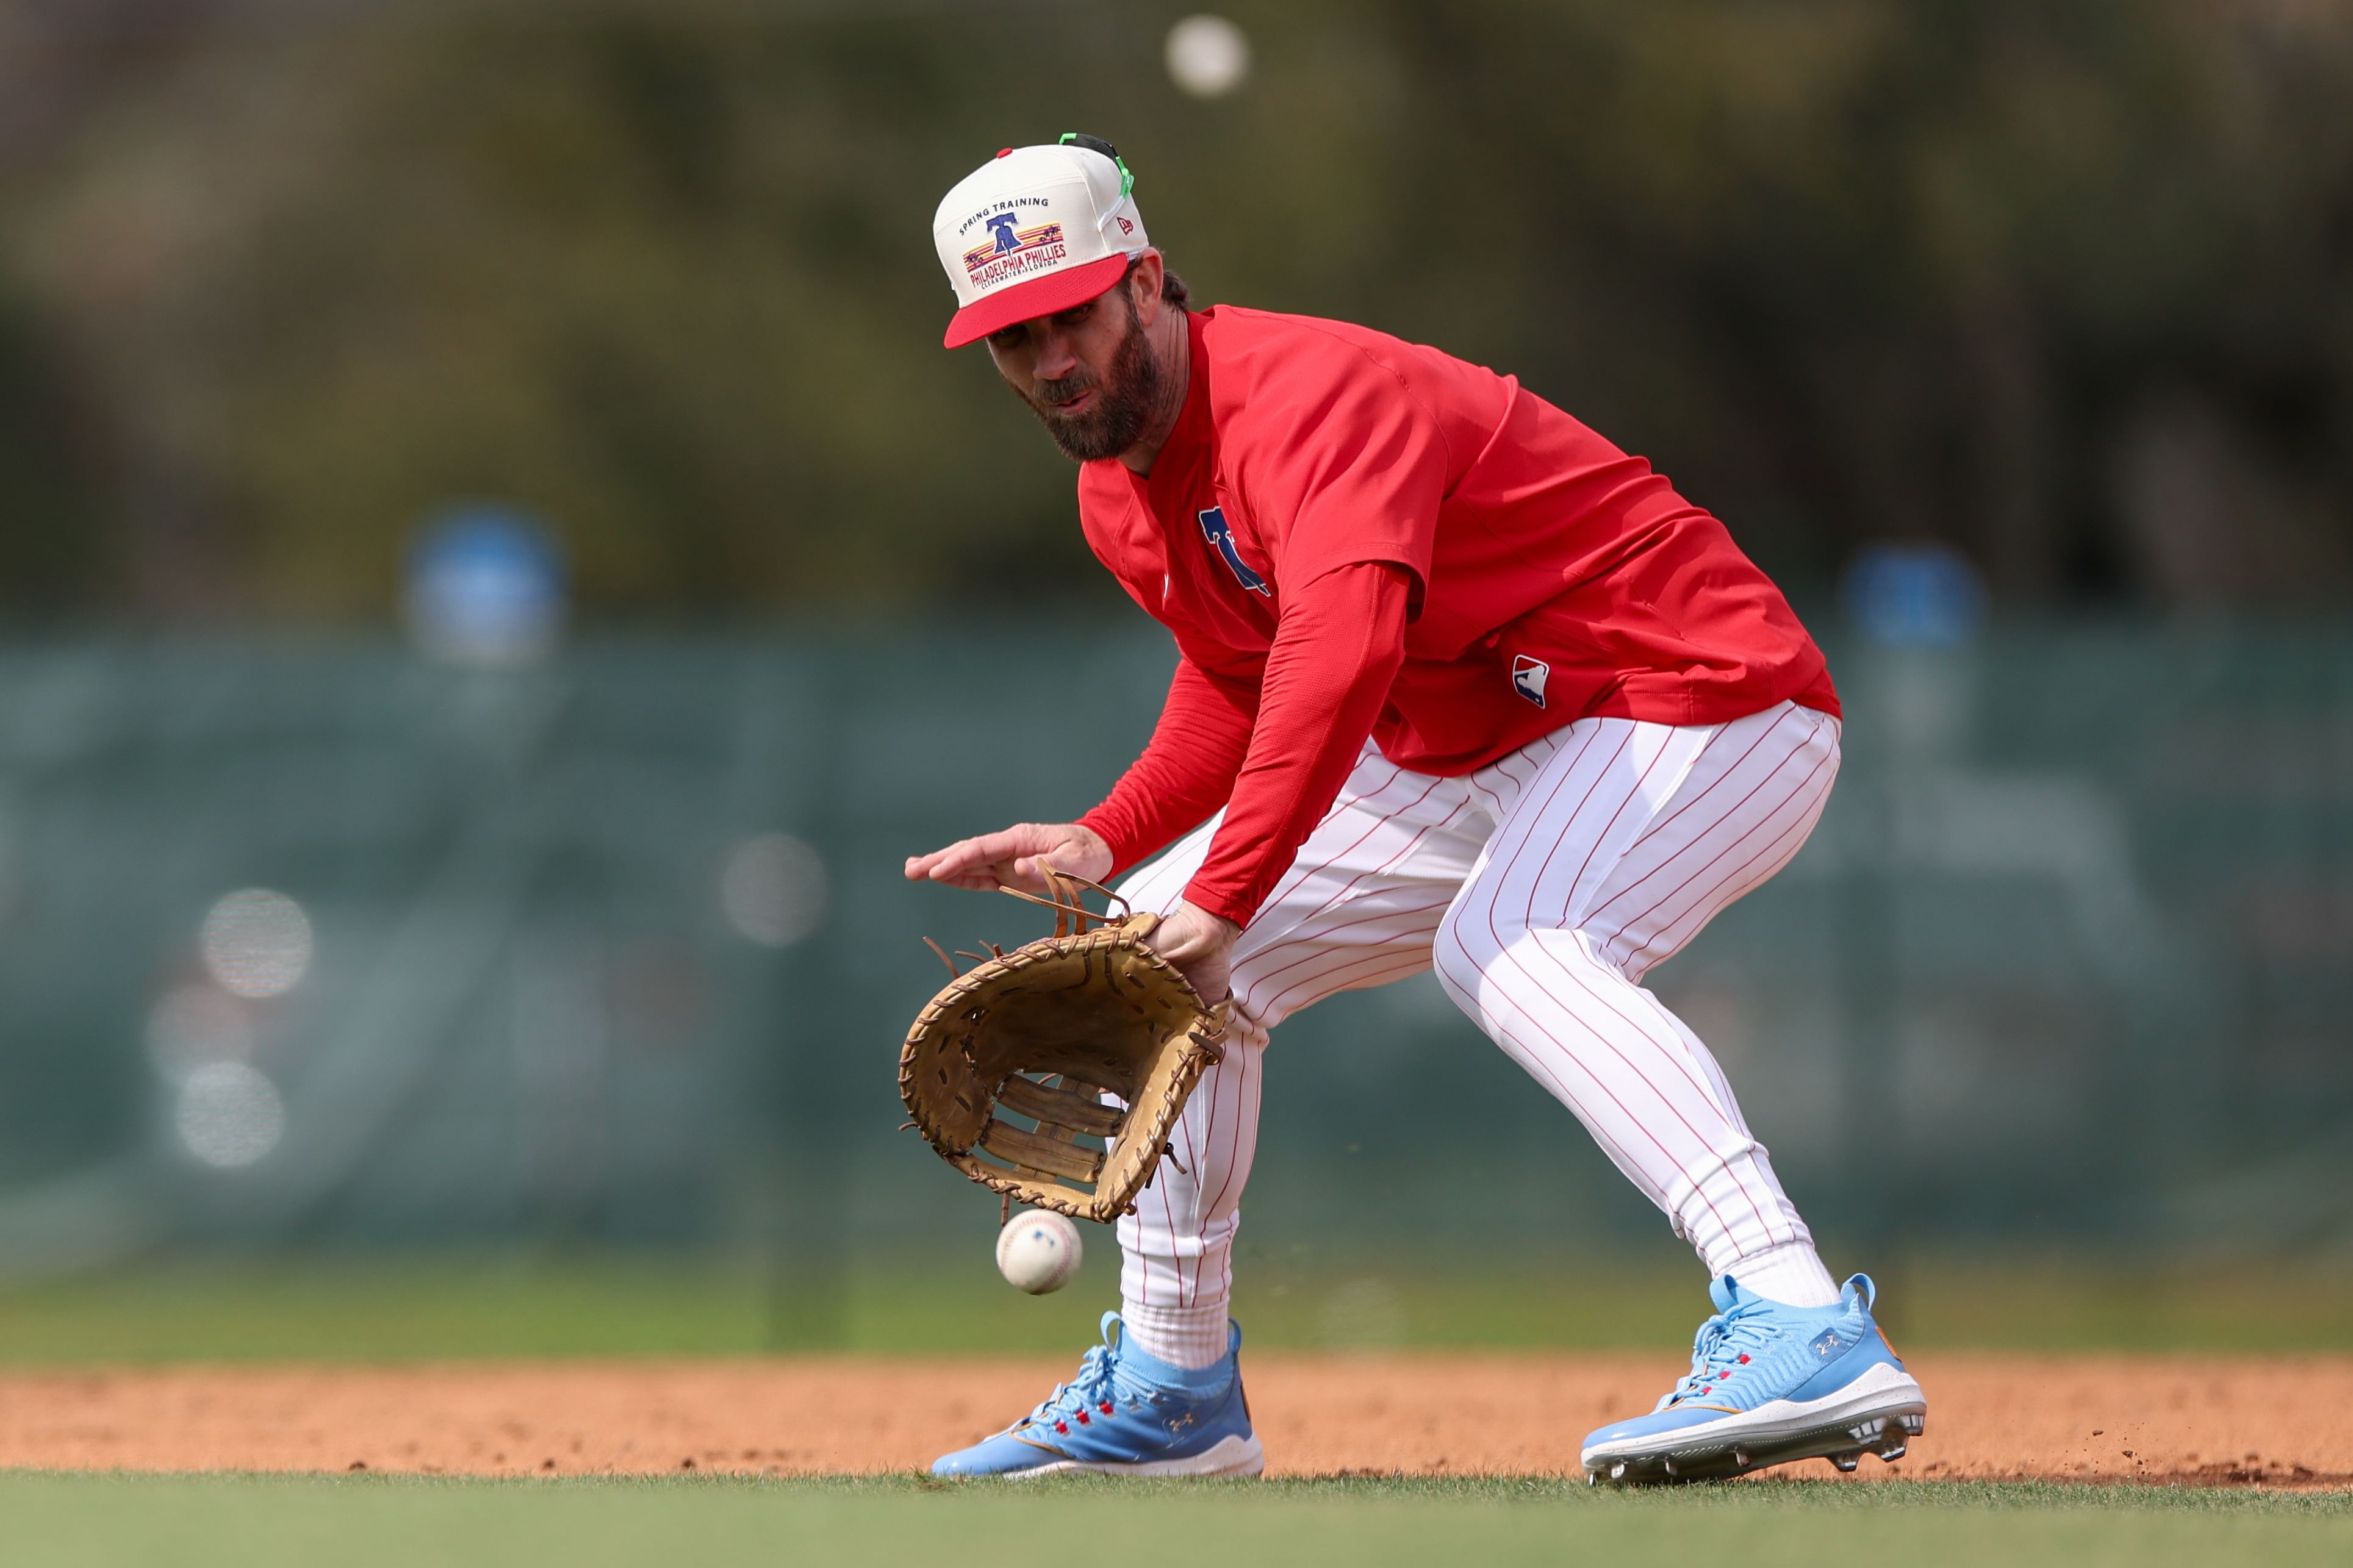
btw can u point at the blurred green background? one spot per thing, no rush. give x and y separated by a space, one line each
365 990
2064 285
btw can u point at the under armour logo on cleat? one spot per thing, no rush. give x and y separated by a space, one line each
1827 1345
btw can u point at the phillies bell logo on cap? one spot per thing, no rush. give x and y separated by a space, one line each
1010 251
1036 230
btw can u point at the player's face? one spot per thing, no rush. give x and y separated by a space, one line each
1088 373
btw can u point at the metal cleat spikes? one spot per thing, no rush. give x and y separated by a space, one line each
1844 1464
1742 1457
1912 1424
1669 1465
1891 1452
1618 1471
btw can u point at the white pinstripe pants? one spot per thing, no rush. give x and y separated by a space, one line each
1541 889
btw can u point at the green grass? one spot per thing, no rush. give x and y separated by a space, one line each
440 1307
260 1521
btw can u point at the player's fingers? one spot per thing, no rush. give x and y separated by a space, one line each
988 849
958 859
926 865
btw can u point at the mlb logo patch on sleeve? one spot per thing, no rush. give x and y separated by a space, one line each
1528 677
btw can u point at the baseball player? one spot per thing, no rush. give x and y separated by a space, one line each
1460 685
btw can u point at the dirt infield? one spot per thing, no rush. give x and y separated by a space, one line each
2158 1419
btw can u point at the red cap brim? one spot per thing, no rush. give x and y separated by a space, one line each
1037 297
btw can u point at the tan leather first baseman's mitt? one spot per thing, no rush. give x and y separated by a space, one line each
1005 1070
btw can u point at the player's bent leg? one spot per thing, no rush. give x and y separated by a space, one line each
1622 845
1356 908
1625 842
1127 1413
1177 1243
1770 1384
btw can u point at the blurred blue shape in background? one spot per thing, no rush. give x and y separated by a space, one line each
486 586
1913 596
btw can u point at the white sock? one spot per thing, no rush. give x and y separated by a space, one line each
1189 1337
1791 1274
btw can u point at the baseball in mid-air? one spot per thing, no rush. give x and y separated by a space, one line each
1038 1251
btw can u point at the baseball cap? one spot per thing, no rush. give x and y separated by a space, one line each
1036 230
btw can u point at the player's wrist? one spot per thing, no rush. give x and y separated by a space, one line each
1211 919
1073 848
1211 907
1096 838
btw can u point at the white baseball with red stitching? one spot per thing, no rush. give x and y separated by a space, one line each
1038 1251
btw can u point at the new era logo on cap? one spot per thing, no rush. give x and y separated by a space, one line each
1033 231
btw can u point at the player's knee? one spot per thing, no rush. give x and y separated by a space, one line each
1451 958
1475 937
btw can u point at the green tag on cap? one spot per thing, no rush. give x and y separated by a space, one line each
1097 144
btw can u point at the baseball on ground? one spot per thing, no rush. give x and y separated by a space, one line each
1038 1251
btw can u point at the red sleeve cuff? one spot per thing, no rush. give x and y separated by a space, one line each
1225 906
1123 854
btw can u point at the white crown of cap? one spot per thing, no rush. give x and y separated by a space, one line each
1031 213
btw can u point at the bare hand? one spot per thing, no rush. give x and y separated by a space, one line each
1015 857
1201 946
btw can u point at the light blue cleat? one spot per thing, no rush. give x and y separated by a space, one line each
1127 1414
1770 1384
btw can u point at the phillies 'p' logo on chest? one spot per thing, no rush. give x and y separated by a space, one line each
1220 535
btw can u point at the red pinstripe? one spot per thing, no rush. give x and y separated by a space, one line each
1412 964
1301 932
1594 841
1706 899
1300 872
1305 927
1504 953
1676 1057
1534 1063
1569 821
1699 839
1799 829
1241 1092
1192 1162
1317 983
1730 773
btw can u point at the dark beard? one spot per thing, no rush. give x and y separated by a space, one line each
1124 405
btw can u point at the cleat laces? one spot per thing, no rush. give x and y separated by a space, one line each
1102 1385
1721 1349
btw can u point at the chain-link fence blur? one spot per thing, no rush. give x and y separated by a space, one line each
316 942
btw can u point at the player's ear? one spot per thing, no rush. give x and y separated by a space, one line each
1144 282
